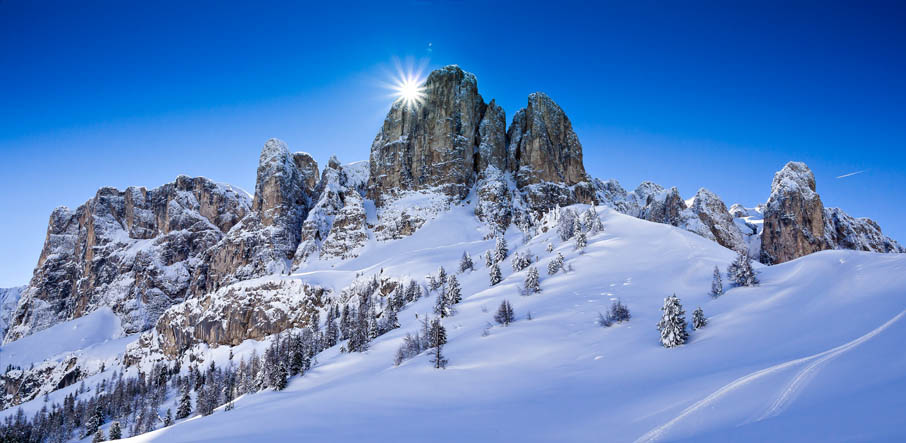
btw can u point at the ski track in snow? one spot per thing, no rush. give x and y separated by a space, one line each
787 395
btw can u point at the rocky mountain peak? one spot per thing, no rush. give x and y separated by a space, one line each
432 143
284 182
794 216
543 146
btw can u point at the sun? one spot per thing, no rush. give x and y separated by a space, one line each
409 90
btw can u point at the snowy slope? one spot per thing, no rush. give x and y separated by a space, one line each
812 353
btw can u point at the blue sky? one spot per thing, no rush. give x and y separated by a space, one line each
686 94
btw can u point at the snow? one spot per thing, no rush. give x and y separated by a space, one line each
811 353
97 335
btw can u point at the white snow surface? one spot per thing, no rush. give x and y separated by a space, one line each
813 353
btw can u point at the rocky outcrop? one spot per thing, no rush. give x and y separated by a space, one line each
265 241
492 149
134 251
336 224
543 146
713 213
794 216
230 315
843 231
432 144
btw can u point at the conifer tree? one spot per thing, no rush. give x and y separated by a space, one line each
532 281
437 338
619 312
698 319
115 432
168 419
673 323
453 292
465 263
717 286
495 275
555 265
741 271
581 240
500 250
505 314
550 247
441 277
488 259
185 404
98 436
413 291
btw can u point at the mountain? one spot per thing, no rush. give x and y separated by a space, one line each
322 272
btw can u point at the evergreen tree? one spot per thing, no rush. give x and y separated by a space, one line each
698 319
555 265
98 436
441 307
185 404
500 250
453 292
673 323
488 259
115 432
168 420
619 312
345 322
532 281
94 421
437 338
441 277
505 314
495 275
465 263
717 286
741 271
282 376
550 247
581 241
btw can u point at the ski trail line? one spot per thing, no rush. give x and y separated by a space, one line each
658 432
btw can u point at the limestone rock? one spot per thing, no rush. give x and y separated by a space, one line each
9 299
842 231
492 150
543 146
265 241
134 251
713 213
794 216
432 144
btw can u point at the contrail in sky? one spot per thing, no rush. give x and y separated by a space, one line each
850 174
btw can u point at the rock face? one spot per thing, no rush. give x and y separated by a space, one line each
794 216
543 146
336 224
796 223
432 144
713 213
492 149
250 310
265 241
842 231
134 251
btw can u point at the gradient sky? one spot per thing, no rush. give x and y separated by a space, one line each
686 94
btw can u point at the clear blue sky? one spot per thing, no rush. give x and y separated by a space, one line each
686 94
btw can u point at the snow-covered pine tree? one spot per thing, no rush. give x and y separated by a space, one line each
168 419
698 319
282 378
488 259
345 322
413 291
581 241
550 247
555 265
453 293
465 263
496 276
741 271
521 261
441 277
505 314
532 281
374 330
389 321
717 286
116 432
441 308
566 224
673 323
595 225
619 312
185 404
437 338
500 250
98 436
604 321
